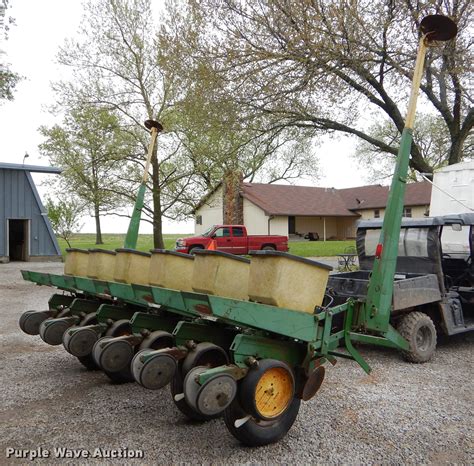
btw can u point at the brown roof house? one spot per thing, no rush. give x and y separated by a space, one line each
298 210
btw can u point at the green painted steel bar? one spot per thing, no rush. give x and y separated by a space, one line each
57 300
134 226
114 312
203 331
294 324
171 300
145 320
245 346
377 308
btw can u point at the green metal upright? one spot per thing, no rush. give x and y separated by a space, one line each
377 307
134 226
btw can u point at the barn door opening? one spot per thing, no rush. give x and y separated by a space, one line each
18 240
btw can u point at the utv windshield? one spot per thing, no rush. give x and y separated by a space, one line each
419 249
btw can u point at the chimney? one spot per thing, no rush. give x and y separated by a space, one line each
232 201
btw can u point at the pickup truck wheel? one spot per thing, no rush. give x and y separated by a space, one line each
420 332
268 248
192 249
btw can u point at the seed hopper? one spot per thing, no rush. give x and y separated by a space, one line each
246 339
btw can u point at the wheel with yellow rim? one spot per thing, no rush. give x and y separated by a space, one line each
265 407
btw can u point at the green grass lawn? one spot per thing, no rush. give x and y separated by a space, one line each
145 243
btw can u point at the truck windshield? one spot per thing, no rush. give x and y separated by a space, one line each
209 231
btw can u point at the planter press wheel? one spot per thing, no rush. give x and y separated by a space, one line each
205 354
149 374
119 328
88 361
30 321
265 407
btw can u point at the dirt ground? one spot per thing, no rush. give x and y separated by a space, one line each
400 413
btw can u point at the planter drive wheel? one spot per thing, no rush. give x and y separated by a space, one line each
267 395
420 332
205 354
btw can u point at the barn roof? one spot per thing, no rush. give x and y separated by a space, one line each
29 168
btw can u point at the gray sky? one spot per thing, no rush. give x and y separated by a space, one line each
41 27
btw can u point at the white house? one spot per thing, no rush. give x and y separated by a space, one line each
288 210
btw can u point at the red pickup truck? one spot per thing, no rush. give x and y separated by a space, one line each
232 239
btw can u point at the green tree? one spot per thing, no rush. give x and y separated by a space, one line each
116 65
92 150
218 136
328 66
65 215
431 136
8 78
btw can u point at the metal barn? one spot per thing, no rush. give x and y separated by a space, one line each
25 230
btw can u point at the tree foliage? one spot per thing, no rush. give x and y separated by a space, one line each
65 215
332 66
125 62
8 78
91 149
431 136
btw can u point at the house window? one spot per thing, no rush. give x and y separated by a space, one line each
198 219
407 211
376 213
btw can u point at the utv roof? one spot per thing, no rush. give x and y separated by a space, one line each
461 219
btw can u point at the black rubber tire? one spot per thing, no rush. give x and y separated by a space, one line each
89 319
205 354
256 434
193 248
158 339
22 319
88 362
119 328
409 328
123 376
268 248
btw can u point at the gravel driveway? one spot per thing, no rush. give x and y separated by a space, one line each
400 413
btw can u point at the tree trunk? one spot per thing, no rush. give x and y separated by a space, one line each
455 150
158 242
98 232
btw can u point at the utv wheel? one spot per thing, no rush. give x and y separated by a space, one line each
420 332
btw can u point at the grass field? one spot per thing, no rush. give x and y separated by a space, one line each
145 243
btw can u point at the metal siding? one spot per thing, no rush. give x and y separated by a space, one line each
20 200
3 232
